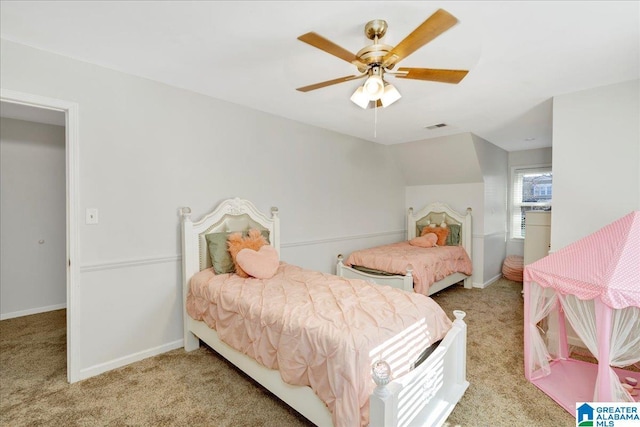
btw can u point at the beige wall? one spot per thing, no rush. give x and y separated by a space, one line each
147 149
32 218
444 160
596 158
493 163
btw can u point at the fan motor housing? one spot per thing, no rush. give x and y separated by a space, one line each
373 54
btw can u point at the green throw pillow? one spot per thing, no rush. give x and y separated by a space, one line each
453 239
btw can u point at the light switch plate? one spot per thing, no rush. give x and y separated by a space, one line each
92 216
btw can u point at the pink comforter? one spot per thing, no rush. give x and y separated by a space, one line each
318 329
429 264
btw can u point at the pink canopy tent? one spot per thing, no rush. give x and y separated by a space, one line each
594 285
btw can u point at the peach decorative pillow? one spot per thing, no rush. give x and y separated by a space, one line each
261 264
235 242
427 240
441 232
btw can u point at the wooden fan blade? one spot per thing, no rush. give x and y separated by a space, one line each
432 74
435 25
329 83
316 40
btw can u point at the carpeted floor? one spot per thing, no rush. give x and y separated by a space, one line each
201 389
499 395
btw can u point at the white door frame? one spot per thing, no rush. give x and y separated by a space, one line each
72 174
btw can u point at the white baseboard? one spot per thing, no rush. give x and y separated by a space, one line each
488 282
31 311
92 371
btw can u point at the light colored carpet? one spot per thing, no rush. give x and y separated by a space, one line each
201 389
499 394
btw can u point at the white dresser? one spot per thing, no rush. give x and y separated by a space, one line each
537 239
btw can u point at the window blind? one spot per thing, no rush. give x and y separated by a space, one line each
531 190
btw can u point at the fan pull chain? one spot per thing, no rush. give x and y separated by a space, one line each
375 118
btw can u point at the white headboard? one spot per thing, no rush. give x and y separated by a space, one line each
230 215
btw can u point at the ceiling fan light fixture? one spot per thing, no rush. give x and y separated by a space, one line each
374 87
360 98
390 95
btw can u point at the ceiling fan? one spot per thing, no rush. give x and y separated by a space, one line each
377 60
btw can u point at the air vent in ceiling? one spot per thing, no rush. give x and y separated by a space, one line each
439 125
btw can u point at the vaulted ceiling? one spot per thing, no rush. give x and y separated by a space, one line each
519 56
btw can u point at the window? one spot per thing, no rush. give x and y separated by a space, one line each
531 191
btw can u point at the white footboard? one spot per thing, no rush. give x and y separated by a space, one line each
424 397
397 281
427 395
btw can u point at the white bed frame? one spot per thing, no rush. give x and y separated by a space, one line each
406 281
438 383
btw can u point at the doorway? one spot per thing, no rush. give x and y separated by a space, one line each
38 104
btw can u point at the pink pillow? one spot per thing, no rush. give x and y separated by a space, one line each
427 240
261 264
235 243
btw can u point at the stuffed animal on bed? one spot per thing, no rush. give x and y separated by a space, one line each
252 255
441 231
236 242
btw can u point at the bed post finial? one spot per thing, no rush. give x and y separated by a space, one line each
383 409
459 315
274 211
469 210
381 374
185 213
409 270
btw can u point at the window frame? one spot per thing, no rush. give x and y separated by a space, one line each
512 207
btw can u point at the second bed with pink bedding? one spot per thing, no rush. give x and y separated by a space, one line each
429 264
436 254
319 330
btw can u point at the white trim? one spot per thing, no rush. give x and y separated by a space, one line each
495 233
72 207
488 282
129 263
341 239
137 262
31 311
101 368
